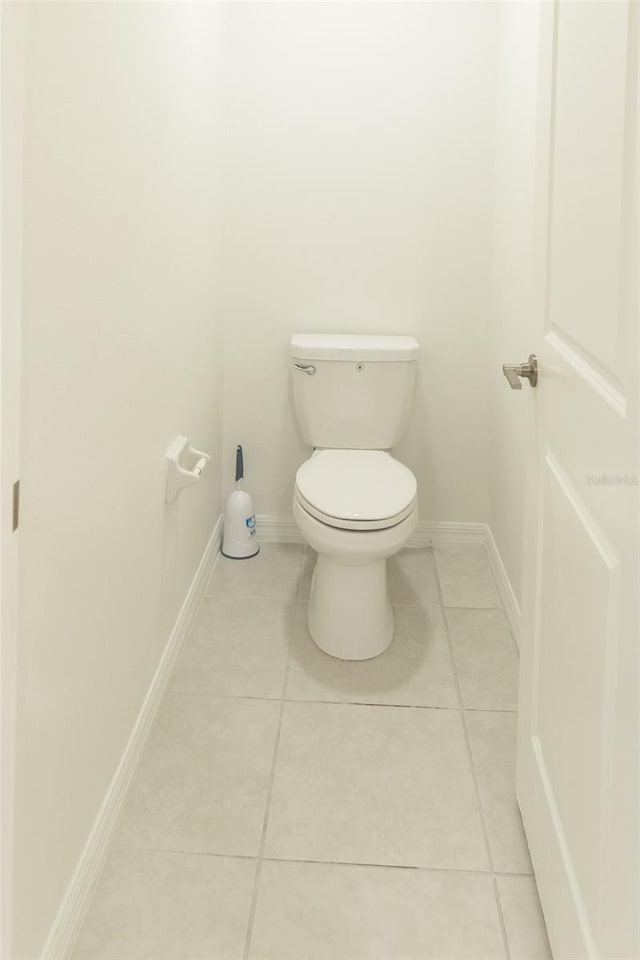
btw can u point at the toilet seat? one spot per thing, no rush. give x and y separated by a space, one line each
356 489
340 523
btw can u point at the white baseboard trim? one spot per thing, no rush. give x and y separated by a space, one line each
74 906
447 534
507 594
274 529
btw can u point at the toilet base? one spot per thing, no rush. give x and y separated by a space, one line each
349 614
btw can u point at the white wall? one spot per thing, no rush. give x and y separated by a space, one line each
12 22
511 412
122 351
359 199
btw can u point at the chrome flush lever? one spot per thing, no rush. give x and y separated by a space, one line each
528 370
305 368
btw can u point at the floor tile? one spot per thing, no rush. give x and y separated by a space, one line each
364 784
202 782
273 574
415 670
523 919
236 648
154 904
465 577
311 911
411 578
485 657
493 745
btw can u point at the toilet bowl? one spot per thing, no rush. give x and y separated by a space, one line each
355 508
354 504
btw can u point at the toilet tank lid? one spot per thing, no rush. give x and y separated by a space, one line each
341 346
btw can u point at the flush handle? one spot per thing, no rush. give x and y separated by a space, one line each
305 368
528 370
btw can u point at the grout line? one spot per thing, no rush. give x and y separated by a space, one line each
263 839
383 866
339 703
489 710
369 703
392 706
186 853
223 696
250 598
325 863
476 784
459 606
255 598
443 607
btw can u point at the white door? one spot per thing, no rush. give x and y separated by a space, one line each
579 714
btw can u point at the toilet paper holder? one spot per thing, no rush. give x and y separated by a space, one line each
185 473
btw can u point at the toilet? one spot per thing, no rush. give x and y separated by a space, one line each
353 503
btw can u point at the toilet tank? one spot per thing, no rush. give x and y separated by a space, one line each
352 392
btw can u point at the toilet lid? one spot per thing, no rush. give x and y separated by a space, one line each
357 485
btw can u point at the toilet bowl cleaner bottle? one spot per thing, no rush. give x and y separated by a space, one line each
239 540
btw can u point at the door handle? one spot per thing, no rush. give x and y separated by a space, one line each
528 370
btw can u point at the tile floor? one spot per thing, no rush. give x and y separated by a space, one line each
295 807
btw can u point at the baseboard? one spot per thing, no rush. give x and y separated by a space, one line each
274 529
447 534
507 594
76 901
